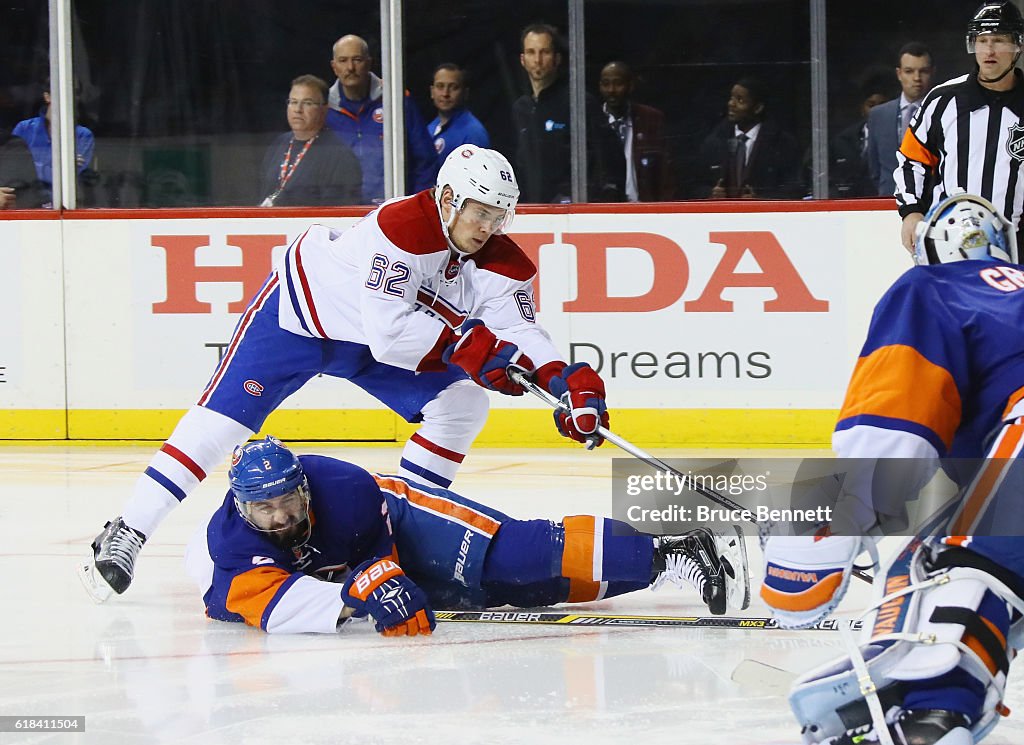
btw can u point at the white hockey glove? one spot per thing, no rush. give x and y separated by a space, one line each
805 577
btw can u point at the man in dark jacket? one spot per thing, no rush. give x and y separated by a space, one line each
544 152
309 166
641 131
747 156
19 187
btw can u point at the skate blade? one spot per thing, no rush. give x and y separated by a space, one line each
734 548
93 583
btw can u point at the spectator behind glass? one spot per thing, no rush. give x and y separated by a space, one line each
454 124
36 134
544 153
309 166
748 156
19 186
356 113
640 130
889 121
849 172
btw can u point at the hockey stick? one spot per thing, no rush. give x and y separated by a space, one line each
519 377
563 618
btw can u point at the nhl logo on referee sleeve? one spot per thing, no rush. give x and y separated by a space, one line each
1015 142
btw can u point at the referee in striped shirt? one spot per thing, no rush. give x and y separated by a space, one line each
968 134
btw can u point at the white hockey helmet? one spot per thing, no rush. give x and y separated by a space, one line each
473 172
964 226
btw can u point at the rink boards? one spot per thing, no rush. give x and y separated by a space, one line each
710 323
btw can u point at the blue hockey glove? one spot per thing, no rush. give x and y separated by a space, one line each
379 587
582 390
486 358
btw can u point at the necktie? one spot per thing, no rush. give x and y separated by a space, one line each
907 115
740 164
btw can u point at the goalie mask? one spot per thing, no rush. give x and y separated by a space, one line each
480 174
961 227
271 492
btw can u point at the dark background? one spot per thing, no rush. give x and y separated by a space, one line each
198 86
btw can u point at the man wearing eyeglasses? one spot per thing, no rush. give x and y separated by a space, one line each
356 113
310 165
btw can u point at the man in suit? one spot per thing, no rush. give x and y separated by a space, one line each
748 156
888 121
640 129
848 171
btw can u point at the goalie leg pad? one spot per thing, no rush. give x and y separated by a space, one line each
806 577
932 628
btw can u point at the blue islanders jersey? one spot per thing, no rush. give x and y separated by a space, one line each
439 539
942 366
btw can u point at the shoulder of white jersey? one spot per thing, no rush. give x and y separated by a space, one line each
319 233
502 255
946 88
412 224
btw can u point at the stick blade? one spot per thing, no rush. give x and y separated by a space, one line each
763 678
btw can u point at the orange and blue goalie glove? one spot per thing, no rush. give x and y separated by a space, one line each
486 358
805 577
582 390
379 587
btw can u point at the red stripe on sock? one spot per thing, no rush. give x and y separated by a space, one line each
426 444
184 460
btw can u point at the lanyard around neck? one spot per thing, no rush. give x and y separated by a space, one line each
287 169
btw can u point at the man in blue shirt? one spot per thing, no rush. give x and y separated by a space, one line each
356 113
36 134
454 124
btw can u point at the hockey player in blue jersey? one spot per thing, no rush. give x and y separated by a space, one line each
941 375
304 543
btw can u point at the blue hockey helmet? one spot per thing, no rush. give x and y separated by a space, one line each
964 226
267 470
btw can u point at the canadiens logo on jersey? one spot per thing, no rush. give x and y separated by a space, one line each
1015 142
451 270
253 388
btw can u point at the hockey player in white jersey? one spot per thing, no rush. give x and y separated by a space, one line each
423 304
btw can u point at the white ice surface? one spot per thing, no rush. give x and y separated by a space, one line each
148 667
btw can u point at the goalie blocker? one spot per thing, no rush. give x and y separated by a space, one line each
935 648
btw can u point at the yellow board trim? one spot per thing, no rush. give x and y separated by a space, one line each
33 424
745 428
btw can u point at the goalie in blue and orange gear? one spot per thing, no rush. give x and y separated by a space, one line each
940 377
305 543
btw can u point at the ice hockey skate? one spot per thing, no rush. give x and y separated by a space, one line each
923 727
113 564
714 564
